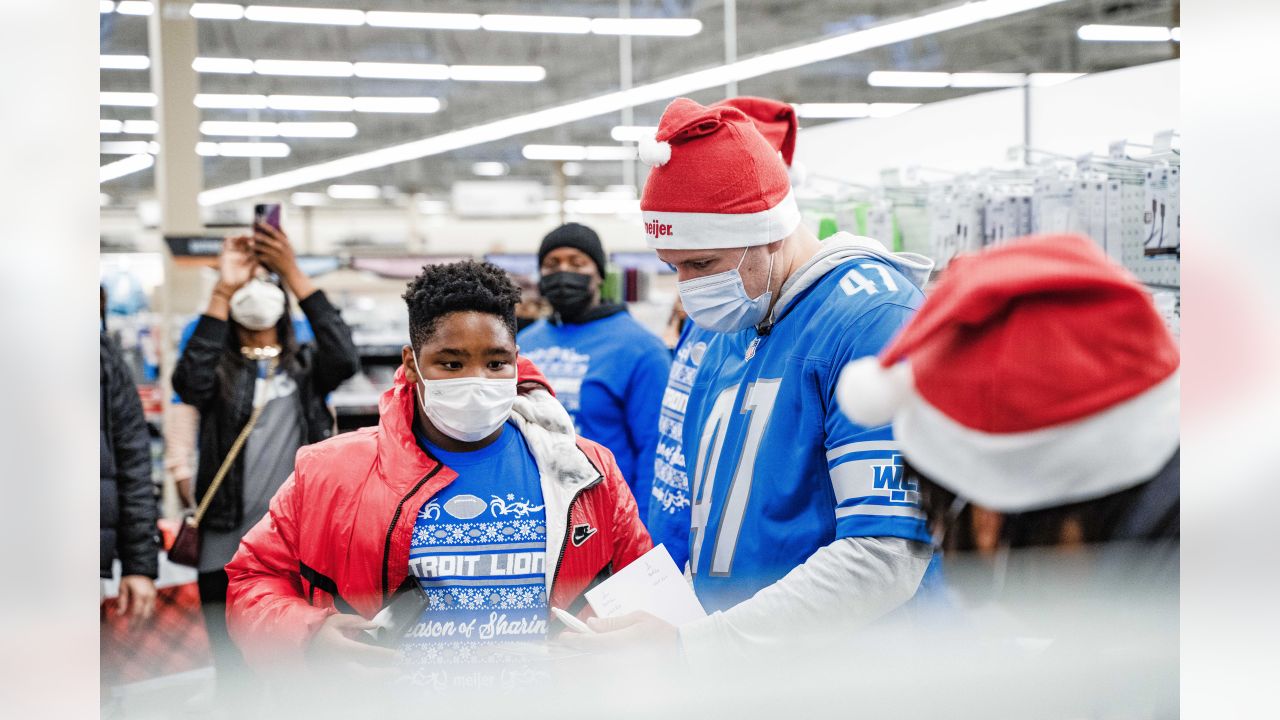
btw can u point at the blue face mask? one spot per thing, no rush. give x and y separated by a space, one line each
720 302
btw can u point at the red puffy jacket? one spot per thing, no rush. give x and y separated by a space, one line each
338 532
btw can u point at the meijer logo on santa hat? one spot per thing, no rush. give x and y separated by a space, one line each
657 229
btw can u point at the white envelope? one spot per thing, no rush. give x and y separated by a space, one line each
652 584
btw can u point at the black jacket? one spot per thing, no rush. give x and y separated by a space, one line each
127 519
220 385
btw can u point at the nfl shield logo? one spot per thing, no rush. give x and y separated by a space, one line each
751 349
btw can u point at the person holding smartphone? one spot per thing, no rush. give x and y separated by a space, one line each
473 485
246 335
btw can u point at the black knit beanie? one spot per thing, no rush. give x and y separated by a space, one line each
578 237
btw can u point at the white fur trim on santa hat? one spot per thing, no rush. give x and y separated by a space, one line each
1102 454
703 231
870 393
654 153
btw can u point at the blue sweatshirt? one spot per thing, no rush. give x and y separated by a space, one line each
609 374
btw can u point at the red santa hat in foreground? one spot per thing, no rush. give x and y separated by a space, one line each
1037 374
719 177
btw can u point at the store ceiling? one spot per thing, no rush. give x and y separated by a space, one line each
579 66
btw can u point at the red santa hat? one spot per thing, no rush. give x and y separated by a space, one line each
1036 374
719 177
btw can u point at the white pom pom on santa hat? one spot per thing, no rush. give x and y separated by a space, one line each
654 153
869 393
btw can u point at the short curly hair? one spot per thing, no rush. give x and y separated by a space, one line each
458 287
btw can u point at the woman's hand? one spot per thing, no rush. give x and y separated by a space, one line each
272 248
236 262
236 266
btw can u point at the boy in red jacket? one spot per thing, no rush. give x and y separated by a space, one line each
473 482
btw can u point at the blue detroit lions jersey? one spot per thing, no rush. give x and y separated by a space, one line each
757 468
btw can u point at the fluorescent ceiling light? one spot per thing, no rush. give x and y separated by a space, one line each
128 147
124 62
986 79
229 66
306 68
423 105
578 152
133 7
856 41
886 109
132 127
670 27
423 20
321 103
317 129
239 128
489 169
141 127
537 24
632 133
129 165
554 152
1051 79
210 101
833 110
667 27
354 192
128 99
308 199
216 11
610 152
284 129
894 78
377 70
308 15
401 71
1124 33
1175 34
106 6
252 149
498 73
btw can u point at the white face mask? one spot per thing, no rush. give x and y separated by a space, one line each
467 409
258 305
720 302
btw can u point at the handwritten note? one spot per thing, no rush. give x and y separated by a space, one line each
652 584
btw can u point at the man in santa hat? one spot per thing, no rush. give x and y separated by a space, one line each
789 518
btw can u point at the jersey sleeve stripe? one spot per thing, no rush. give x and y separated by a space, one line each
876 500
905 511
883 526
881 456
865 446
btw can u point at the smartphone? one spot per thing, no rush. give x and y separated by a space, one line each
267 214
404 609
